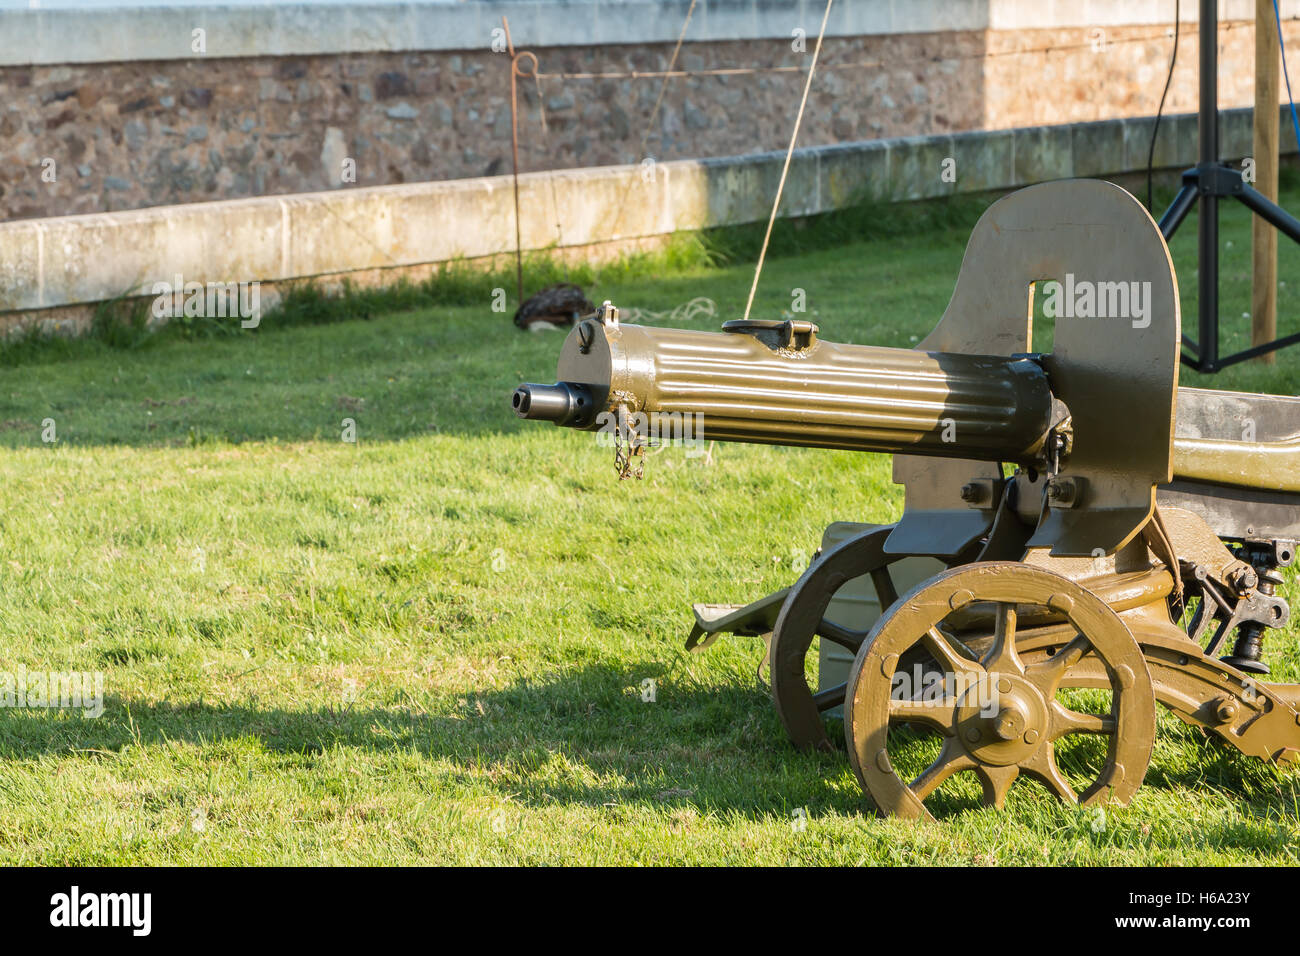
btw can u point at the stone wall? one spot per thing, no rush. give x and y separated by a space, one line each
53 270
92 137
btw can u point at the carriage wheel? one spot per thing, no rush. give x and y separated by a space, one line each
803 618
996 716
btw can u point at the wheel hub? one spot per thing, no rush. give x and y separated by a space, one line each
1001 720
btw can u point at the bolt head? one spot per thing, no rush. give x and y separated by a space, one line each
1008 725
1061 602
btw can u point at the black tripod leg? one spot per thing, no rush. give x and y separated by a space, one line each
1270 212
1178 210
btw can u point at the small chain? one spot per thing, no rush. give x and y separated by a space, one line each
629 450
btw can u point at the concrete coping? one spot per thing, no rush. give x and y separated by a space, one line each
144 30
75 260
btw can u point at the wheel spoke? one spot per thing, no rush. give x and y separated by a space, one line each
1042 767
830 697
997 781
952 759
1067 721
1001 655
939 714
846 638
883 582
999 718
947 655
1047 675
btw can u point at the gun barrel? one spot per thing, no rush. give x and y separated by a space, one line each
563 404
759 387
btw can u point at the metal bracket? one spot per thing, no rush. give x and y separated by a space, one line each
982 492
1120 443
608 315
793 334
1066 492
1215 179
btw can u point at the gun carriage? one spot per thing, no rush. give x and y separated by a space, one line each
1076 527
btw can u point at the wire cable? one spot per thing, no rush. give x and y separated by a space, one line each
1281 45
1151 152
868 64
654 114
794 136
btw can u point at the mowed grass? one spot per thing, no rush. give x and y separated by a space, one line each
431 645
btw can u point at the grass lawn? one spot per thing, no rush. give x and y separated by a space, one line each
429 645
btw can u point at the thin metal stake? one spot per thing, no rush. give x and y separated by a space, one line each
514 152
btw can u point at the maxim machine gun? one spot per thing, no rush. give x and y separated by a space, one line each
1084 537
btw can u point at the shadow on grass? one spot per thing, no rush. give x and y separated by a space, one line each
587 739
442 360
584 739
411 360
434 370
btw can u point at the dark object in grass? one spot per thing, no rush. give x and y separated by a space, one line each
559 305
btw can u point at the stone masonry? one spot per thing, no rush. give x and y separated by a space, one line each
98 137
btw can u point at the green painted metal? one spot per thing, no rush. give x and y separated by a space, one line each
823 394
